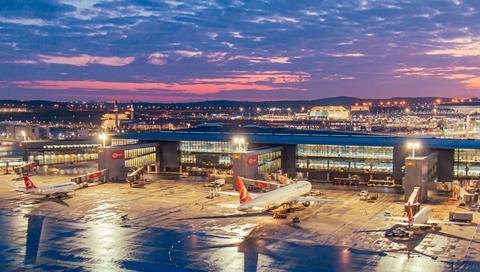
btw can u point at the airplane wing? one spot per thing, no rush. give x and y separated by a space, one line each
62 192
230 193
21 190
403 223
313 199
235 206
442 222
397 218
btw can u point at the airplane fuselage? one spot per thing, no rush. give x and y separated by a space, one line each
53 189
278 196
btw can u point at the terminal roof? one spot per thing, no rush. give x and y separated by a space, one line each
286 136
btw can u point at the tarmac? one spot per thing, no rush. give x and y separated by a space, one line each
172 224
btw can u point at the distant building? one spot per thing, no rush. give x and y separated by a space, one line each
24 131
466 109
360 109
113 121
329 112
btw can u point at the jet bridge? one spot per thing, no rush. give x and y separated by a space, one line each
90 179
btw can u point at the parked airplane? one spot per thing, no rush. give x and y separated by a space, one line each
421 219
286 195
56 190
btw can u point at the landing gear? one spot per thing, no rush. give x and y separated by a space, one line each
306 203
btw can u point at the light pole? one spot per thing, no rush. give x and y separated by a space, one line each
239 143
413 146
103 137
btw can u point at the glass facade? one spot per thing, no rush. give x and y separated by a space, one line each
116 142
209 154
57 154
212 147
467 163
139 157
269 162
338 158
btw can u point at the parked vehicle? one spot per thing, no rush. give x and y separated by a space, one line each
461 216
401 233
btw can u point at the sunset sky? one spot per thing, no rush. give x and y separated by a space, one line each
163 51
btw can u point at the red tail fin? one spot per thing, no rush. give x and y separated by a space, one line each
244 195
410 213
29 183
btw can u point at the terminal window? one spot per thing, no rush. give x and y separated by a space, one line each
467 163
375 159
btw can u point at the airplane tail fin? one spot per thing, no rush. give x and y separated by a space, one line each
410 214
29 184
244 195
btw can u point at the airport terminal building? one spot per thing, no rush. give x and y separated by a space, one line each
321 155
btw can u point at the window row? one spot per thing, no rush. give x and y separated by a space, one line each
133 153
345 151
212 147
141 160
340 165
62 158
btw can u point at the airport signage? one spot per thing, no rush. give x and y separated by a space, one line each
117 155
252 160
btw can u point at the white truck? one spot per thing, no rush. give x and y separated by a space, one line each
461 216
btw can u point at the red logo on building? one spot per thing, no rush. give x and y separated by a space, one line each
117 155
260 184
252 160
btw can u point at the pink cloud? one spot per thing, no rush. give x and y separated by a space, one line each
202 88
85 60
278 77
472 83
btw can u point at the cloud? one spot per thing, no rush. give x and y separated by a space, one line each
415 71
157 58
338 77
457 47
473 83
188 53
341 55
237 35
254 59
23 61
24 21
458 76
216 56
88 85
275 19
85 60
244 77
